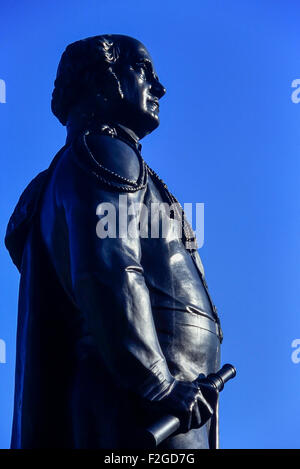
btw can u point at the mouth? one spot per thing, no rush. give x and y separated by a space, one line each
154 105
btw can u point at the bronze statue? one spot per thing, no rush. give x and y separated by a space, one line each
113 328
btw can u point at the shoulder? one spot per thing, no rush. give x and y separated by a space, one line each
113 156
96 171
108 162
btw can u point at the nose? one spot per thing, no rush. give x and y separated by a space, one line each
157 89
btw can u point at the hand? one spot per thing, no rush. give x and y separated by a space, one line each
210 393
187 402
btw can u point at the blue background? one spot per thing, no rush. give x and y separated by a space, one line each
229 137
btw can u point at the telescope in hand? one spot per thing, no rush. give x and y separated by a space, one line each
169 424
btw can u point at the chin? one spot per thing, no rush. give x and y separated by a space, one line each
151 122
144 123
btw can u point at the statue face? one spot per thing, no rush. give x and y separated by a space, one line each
138 108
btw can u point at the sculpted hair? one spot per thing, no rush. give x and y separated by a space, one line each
80 60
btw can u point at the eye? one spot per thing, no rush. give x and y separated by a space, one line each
145 69
141 66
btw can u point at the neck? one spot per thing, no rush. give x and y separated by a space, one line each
130 132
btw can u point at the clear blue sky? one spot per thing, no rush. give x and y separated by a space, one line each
229 137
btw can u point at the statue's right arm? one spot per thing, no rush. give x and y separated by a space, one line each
108 286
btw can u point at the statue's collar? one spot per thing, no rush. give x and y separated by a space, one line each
110 129
127 134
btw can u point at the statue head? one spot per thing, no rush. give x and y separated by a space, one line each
110 79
